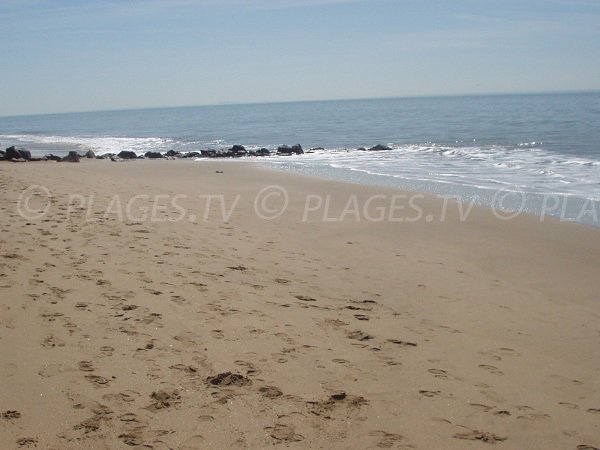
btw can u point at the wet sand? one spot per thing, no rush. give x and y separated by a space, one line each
213 327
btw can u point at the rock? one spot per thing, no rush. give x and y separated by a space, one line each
17 153
90 154
208 153
127 154
71 157
154 155
314 149
261 152
173 153
379 147
105 156
237 150
192 155
287 150
361 149
52 157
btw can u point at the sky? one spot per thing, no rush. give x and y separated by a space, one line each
86 55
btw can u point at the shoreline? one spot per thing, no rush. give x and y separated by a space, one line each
542 207
118 331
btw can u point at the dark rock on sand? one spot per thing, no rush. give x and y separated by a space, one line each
154 155
90 154
17 153
238 150
260 152
192 155
73 156
173 153
127 154
208 153
52 157
379 147
361 149
287 150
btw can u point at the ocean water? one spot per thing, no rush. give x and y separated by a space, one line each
542 148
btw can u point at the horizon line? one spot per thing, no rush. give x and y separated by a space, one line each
277 102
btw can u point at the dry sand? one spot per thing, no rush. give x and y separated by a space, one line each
353 334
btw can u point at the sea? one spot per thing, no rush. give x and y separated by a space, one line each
533 153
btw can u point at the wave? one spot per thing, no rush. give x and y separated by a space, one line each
527 165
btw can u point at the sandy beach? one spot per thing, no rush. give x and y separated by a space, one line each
182 305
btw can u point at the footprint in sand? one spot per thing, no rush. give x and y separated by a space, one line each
51 316
52 341
128 417
340 361
86 366
336 322
217 334
250 369
305 298
429 394
438 373
279 358
357 308
122 398
402 343
107 350
184 368
133 438
475 435
285 433
270 391
51 370
98 381
491 369
164 399
385 440
27 442
359 336
11 415
534 417
568 405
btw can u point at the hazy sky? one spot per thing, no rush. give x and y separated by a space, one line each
79 55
